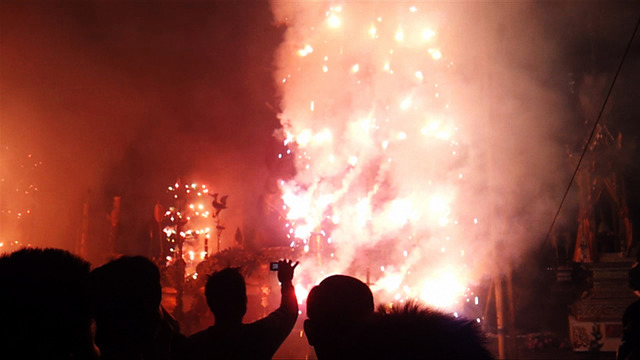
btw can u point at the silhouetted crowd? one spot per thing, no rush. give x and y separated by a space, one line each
630 347
53 306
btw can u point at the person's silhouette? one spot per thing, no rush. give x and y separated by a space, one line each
414 331
44 307
338 309
630 346
131 324
229 338
342 324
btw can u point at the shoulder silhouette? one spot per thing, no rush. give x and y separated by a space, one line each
125 298
630 345
44 308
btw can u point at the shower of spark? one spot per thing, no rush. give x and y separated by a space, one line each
372 127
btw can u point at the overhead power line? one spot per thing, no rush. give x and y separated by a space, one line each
593 130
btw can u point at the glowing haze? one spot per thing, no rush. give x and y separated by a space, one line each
396 153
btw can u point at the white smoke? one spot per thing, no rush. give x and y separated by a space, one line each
423 160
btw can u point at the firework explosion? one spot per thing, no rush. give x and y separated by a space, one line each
390 185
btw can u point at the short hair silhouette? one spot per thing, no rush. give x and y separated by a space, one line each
337 308
415 331
340 298
44 307
126 295
226 295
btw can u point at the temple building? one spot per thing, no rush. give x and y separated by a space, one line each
603 250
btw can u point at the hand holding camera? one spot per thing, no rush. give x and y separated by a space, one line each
285 270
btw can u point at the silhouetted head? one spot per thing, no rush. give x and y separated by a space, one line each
336 309
125 297
44 308
226 295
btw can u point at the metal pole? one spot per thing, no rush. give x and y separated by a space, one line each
218 232
206 245
500 317
180 266
511 318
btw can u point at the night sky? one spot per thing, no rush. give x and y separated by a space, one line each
122 98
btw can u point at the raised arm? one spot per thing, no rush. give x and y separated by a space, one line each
271 331
288 302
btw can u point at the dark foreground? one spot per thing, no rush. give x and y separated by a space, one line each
296 347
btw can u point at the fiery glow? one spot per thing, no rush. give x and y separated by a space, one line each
442 290
435 53
301 293
401 212
375 152
334 21
428 34
19 175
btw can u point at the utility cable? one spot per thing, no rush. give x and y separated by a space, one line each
593 131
